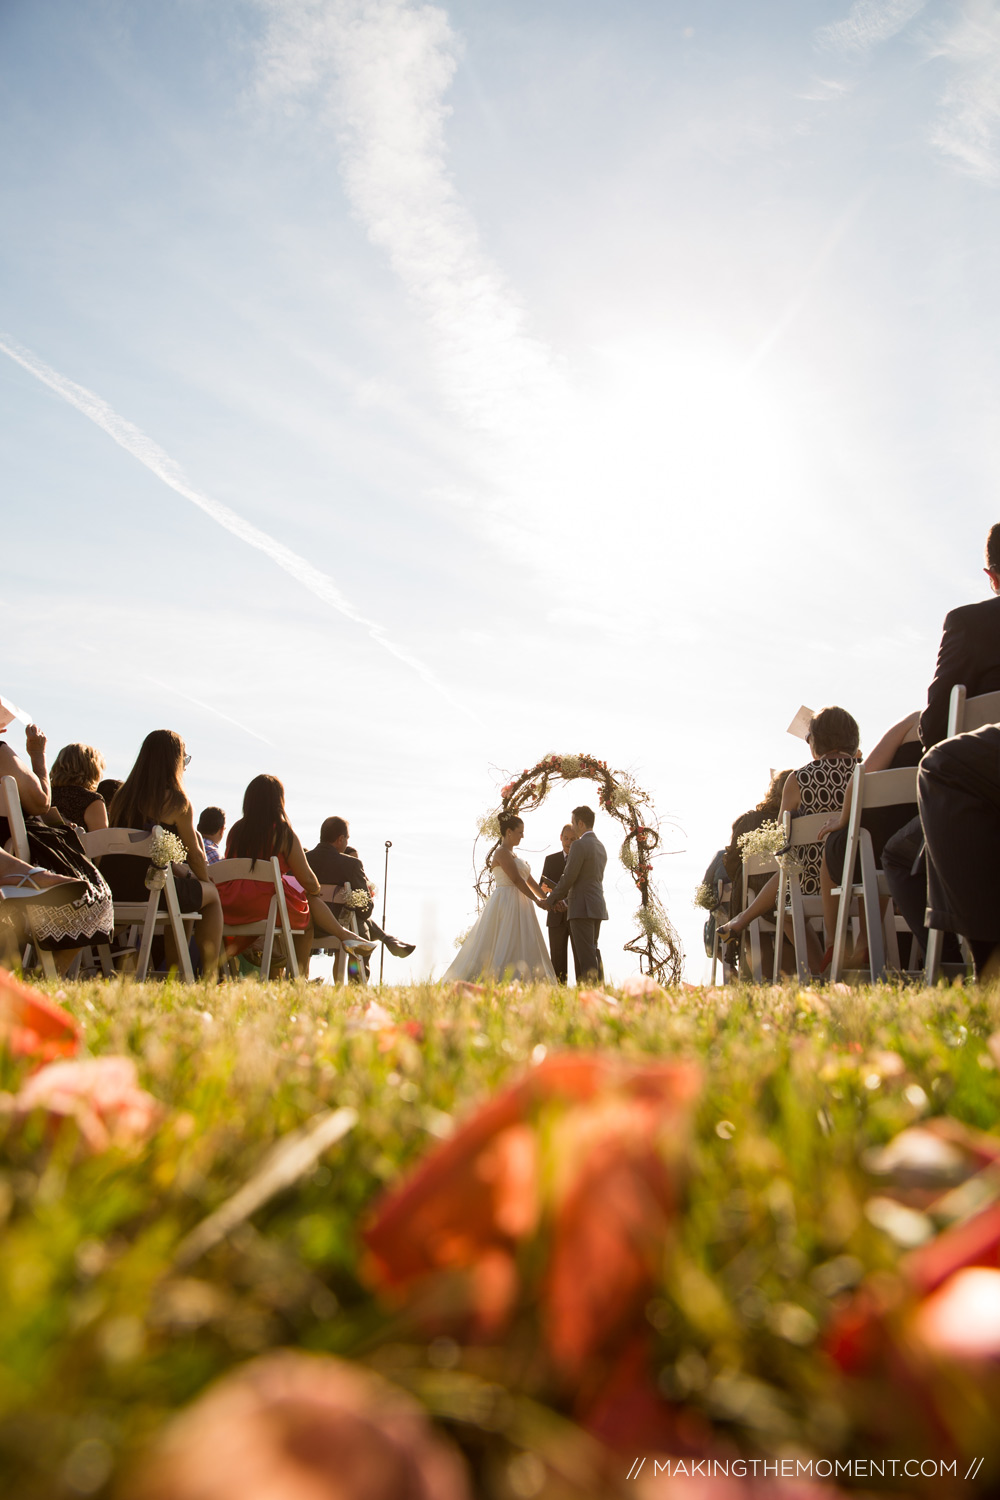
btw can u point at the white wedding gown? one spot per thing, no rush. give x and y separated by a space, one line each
506 939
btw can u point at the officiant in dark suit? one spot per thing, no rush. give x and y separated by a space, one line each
557 921
582 888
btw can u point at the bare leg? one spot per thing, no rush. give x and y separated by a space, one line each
323 920
302 943
759 907
208 933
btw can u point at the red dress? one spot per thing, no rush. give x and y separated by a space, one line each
249 901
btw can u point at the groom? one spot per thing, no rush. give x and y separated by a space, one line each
582 887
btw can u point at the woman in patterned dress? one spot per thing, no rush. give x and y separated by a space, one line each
817 787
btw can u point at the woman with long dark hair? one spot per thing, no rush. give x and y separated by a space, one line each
263 832
153 793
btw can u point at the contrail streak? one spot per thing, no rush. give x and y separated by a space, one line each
799 301
141 447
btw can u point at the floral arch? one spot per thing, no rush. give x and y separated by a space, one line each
656 943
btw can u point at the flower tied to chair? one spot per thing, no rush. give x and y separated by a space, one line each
358 900
164 849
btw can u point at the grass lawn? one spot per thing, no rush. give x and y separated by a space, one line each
112 1317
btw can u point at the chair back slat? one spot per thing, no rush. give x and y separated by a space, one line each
886 788
101 841
980 711
241 869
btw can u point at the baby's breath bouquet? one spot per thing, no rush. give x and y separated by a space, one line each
706 896
164 849
769 838
357 900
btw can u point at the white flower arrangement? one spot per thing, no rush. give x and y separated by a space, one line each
617 797
357 900
768 839
652 923
569 766
706 896
166 849
628 856
489 826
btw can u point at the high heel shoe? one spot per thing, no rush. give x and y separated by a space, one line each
360 947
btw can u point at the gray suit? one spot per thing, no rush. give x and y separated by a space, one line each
582 887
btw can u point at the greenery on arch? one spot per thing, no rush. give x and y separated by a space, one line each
656 943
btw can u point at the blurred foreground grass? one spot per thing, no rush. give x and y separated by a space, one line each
102 1334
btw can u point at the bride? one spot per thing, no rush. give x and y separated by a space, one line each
506 940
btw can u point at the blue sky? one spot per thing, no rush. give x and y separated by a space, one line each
614 377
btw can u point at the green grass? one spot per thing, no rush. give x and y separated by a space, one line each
101 1337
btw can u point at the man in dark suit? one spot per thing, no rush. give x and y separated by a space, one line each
582 887
334 866
969 653
557 920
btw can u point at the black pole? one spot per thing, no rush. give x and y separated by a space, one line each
385 882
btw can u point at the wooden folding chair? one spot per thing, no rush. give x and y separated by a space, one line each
791 901
264 872
11 801
756 864
143 917
325 942
871 789
964 714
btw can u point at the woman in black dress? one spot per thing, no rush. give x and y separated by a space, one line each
76 772
153 793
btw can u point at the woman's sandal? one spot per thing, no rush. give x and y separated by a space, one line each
23 888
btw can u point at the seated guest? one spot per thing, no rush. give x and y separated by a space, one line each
337 864
76 772
893 751
958 792
25 889
153 793
211 826
817 787
766 811
108 787
87 916
969 654
263 832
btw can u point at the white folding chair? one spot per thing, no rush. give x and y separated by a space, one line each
325 942
756 864
964 714
264 872
143 916
870 789
791 901
19 840
721 913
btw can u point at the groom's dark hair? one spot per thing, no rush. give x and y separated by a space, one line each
584 815
332 830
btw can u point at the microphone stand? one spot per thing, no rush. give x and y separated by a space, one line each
385 882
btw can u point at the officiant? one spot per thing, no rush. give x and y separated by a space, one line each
557 920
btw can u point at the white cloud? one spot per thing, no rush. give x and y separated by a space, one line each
381 70
870 22
970 117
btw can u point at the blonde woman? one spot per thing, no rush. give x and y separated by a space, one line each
75 773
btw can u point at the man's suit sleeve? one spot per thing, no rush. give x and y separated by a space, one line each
569 876
953 665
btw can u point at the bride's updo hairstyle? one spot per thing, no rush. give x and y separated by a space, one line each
508 821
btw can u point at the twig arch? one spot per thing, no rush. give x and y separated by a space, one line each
656 943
